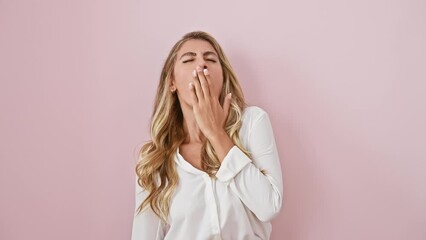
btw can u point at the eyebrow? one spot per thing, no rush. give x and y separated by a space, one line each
193 54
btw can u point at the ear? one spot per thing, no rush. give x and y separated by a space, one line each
172 85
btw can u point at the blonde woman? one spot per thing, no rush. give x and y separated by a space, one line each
211 169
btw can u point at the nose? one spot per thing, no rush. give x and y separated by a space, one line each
203 64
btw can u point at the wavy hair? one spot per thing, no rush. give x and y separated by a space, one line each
155 168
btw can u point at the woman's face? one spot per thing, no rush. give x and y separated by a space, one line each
195 53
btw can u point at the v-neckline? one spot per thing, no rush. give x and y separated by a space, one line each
186 165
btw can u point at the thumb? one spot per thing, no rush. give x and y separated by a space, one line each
227 103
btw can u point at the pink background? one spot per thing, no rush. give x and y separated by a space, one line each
343 82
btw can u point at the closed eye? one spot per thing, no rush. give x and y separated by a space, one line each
190 60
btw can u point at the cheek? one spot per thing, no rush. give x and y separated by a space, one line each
182 78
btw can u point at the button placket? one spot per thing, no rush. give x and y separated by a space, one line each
210 197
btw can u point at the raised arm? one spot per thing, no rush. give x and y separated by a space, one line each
261 193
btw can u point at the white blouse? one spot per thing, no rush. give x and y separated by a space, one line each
238 205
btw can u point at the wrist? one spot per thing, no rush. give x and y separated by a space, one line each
218 136
221 143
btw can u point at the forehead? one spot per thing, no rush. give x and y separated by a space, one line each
195 45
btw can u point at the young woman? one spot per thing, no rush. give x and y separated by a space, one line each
211 169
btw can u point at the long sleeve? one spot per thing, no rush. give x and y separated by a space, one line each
146 225
260 193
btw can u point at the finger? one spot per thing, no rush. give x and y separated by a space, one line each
194 98
203 82
196 85
208 80
227 104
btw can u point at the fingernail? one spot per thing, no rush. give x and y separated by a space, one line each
194 73
230 95
206 71
191 85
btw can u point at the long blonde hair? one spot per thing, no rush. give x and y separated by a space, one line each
156 169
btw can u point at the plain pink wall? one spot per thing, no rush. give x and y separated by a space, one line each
343 82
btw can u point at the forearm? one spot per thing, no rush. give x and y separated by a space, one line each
262 194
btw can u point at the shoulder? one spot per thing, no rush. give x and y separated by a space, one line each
256 128
253 114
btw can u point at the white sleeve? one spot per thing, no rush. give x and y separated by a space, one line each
146 225
262 194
